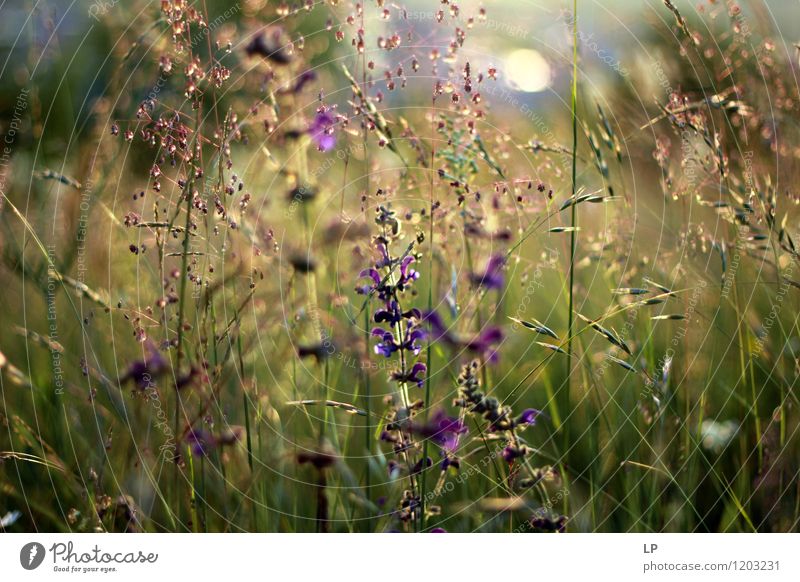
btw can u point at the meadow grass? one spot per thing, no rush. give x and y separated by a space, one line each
331 277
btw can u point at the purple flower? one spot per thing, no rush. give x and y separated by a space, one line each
390 315
438 329
144 372
414 335
385 260
450 461
202 442
421 465
492 277
321 131
269 45
442 429
512 453
415 376
369 288
389 345
407 274
483 345
528 416
319 459
305 78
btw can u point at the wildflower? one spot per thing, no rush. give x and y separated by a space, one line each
201 441
319 459
409 506
407 274
389 278
389 344
386 217
187 379
269 46
421 465
319 351
302 194
303 263
144 372
492 277
301 81
377 282
391 314
321 131
511 453
442 429
528 416
549 524
482 345
415 376
500 417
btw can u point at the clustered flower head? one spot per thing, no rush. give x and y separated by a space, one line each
501 418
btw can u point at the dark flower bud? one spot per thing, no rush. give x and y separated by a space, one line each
303 193
511 453
549 524
319 351
319 459
270 46
303 263
421 464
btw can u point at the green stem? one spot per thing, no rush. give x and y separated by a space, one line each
574 222
428 353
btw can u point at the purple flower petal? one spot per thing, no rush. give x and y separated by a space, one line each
528 416
321 131
492 277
